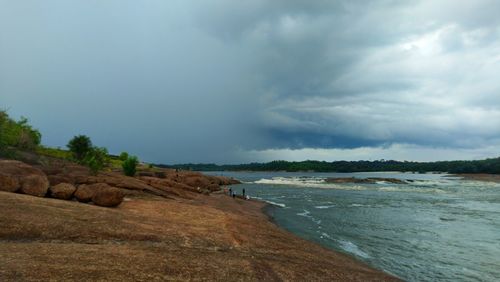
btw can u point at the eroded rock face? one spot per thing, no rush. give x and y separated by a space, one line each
9 183
62 191
108 197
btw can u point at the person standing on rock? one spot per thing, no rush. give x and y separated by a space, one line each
243 192
230 192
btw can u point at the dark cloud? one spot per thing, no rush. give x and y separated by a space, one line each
183 81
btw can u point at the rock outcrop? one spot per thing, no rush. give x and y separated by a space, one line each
9 183
370 180
85 192
108 197
62 191
30 180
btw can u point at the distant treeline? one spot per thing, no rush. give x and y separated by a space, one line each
479 166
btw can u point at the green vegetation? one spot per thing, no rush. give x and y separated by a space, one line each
130 165
54 152
123 156
480 166
17 134
96 159
80 146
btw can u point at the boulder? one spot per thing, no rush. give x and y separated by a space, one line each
108 197
20 177
62 191
84 193
58 179
35 185
9 183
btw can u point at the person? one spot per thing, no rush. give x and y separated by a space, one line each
234 195
230 192
243 192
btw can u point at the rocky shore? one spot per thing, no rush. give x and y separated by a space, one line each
479 177
169 225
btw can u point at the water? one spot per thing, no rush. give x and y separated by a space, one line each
434 228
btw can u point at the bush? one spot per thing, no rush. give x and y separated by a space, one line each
96 159
129 166
17 134
123 156
80 146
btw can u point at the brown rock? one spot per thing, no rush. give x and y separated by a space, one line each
35 185
84 193
30 180
9 183
58 179
62 191
108 197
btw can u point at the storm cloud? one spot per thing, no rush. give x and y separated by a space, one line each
230 81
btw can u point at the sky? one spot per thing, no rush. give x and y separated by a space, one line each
226 81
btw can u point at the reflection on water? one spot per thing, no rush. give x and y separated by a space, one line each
433 228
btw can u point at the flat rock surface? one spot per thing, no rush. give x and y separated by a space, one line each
147 237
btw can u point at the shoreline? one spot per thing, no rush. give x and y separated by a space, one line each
207 237
478 177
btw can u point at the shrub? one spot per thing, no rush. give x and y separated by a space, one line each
129 166
96 159
80 146
123 156
17 134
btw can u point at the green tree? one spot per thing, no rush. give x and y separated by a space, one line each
79 146
19 134
130 165
96 159
123 156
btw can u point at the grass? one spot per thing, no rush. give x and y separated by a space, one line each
53 152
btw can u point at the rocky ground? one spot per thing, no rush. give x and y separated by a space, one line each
170 226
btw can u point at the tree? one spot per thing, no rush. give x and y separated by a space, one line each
19 134
79 146
123 156
96 159
130 166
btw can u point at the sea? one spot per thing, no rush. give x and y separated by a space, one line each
434 228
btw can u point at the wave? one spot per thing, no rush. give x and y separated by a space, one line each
324 207
352 248
347 246
307 182
307 214
275 204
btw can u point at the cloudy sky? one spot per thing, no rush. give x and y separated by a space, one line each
235 81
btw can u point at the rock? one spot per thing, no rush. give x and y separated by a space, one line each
108 197
370 180
9 183
62 191
84 193
160 174
35 185
20 177
58 179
